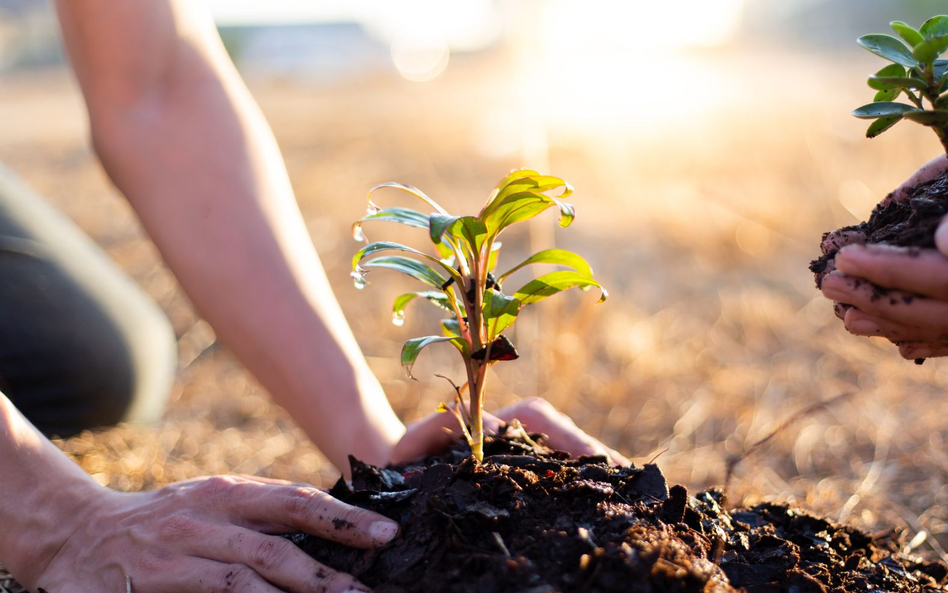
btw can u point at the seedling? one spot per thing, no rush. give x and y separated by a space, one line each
462 282
916 72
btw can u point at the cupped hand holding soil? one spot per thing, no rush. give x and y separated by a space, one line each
889 276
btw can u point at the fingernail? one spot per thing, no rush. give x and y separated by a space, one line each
864 327
383 531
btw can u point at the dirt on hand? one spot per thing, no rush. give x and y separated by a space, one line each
531 520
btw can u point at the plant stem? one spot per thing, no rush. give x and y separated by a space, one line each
477 420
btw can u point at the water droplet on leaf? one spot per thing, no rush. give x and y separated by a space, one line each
371 209
398 318
358 280
357 233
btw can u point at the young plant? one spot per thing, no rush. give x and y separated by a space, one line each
916 72
461 279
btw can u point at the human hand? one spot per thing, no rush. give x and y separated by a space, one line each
208 534
436 432
913 312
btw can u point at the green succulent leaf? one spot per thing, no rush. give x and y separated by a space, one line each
940 68
888 95
935 27
409 189
906 32
881 125
883 83
434 297
549 284
890 48
927 51
937 117
406 265
500 311
883 109
559 257
413 348
941 102
892 70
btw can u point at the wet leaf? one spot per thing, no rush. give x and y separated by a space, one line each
411 190
554 282
500 311
881 125
413 348
373 248
469 228
906 32
434 297
560 257
890 48
883 109
411 267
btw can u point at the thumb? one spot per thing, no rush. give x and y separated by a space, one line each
941 236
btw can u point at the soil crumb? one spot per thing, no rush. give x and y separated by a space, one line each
533 521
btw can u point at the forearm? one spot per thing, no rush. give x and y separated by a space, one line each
199 164
41 494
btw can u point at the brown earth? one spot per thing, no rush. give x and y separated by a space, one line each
531 520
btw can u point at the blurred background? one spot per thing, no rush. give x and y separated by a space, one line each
710 143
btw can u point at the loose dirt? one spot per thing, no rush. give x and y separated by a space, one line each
531 520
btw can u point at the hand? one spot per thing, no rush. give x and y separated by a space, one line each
208 535
436 432
913 313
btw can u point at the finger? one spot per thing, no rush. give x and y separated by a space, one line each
926 173
894 306
562 433
279 562
860 323
284 509
208 576
921 350
922 271
838 239
840 309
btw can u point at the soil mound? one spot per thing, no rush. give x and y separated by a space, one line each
530 520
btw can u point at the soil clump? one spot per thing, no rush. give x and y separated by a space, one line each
531 520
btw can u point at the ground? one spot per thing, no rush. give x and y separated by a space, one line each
700 222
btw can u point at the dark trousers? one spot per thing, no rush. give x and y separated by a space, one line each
81 345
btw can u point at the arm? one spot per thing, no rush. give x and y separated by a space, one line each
179 134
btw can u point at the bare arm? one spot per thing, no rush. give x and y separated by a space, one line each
179 134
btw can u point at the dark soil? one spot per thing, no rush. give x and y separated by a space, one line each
909 223
530 520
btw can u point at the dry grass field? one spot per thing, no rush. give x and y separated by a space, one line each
699 208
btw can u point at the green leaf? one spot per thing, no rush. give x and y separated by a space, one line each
937 117
411 267
889 71
511 177
890 48
373 248
494 254
434 297
413 348
940 68
405 216
882 109
888 95
523 206
451 327
881 125
935 27
909 34
882 83
411 190
500 311
928 50
470 228
560 257
554 282
941 102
